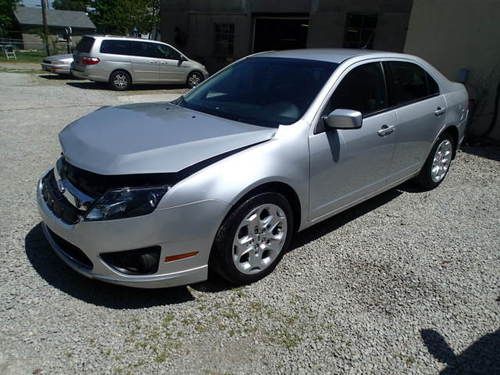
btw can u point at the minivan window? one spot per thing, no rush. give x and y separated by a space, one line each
85 44
362 89
265 91
408 83
169 53
115 47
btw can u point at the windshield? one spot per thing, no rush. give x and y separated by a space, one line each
265 91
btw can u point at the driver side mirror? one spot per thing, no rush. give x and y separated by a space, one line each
344 119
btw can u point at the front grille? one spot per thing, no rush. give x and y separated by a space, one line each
72 251
46 61
56 201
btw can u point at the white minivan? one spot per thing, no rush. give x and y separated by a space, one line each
123 61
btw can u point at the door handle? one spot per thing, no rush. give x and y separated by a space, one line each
385 130
439 111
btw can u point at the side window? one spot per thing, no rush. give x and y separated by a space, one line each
116 47
362 89
409 82
433 88
168 52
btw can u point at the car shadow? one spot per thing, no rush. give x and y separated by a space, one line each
481 357
53 270
329 225
487 152
58 77
89 85
216 284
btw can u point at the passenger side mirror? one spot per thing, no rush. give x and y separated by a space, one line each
344 119
181 59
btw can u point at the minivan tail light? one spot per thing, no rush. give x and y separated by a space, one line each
89 60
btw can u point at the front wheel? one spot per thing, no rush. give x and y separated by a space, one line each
253 238
437 164
194 79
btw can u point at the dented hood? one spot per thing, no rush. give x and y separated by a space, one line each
152 138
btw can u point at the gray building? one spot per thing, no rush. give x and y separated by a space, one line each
217 32
28 25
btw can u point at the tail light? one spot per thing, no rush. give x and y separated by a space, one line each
89 60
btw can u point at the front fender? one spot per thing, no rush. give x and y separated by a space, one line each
284 159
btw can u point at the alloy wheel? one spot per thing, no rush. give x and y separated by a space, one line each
259 239
442 160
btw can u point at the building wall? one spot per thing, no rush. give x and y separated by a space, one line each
456 34
195 19
328 17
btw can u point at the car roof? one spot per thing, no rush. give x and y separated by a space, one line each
120 37
334 55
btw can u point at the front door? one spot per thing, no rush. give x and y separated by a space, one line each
346 165
172 68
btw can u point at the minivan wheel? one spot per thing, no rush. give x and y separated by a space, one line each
253 238
437 164
120 80
194 79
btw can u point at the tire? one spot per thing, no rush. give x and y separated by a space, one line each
438 163
194 79
260 252
120 80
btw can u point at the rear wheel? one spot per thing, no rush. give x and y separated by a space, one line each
194 79
437 164
120 80
253 238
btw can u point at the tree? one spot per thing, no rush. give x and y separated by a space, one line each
7 15
80 5
122 16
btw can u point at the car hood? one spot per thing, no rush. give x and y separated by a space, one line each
152 138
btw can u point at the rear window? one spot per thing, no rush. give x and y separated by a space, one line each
409 83
85 44
116 47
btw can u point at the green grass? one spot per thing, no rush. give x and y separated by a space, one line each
24 57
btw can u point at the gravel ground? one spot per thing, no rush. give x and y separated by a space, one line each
404 283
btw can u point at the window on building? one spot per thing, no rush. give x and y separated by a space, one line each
224 39
360 30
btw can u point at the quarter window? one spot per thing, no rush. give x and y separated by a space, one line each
362 89
409 82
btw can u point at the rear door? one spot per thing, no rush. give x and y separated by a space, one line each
346 165
420 111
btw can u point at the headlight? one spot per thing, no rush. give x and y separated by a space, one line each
127 202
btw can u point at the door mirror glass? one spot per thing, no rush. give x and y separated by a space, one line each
344 119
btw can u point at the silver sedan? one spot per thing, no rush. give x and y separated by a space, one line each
58 64
153 195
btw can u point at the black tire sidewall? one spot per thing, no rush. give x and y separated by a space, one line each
425 177
221 259
112 78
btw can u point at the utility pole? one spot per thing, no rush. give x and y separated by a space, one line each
45 26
